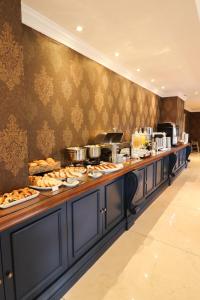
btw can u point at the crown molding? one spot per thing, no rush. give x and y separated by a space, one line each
39 22
198 7
190 109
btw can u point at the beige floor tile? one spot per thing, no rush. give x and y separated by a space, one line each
177 226
140 268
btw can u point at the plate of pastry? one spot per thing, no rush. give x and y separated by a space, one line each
17 197
68 172
107 167
75 172
59 174
44 183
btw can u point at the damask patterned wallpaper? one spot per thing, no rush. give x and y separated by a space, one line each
13 124
71 98
53 97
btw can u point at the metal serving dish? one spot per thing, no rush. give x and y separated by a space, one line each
76 154
93 151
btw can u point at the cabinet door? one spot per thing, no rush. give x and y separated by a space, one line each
150 178
1 279
36 254
166 168
139 195
159 172
114 203
85 223
182 157
178 160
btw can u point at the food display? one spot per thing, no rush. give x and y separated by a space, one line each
17 197
106 167
68 172
43 183
39 166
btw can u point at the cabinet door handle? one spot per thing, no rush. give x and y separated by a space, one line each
1 282
103 210
9 275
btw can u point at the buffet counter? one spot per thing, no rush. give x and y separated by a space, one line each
47 243
48 199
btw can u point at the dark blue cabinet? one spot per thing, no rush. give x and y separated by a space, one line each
166 168
84 215
114 203
139 196
159 172
182 155
181 160
35 254
92 215
42 257
150 178
2 297
140 184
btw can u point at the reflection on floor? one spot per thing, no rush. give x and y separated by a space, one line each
159 257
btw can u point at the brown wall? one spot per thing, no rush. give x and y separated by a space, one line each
187 121
13 124
194 126
172 110
54 97
72 98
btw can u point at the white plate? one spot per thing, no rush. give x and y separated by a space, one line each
46 188
118 167
95 175
72 184
19 201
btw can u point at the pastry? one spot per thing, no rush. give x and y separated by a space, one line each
33 164
50 160
43 163
16 195
103 167
46 181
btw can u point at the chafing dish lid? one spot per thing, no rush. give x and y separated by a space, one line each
109 137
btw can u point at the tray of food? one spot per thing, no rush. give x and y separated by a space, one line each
68 172
40 166
44 183
17 197
106 167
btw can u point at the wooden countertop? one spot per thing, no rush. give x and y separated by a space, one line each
19 213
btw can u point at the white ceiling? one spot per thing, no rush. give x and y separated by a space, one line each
160 37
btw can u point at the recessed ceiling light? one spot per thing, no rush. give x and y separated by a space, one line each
152 80
196 93
79 28
138 70
116 54
162 87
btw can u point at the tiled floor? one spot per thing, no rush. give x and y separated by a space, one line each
159 257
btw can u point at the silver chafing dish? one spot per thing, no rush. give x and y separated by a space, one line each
76 154
93 151
106 141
